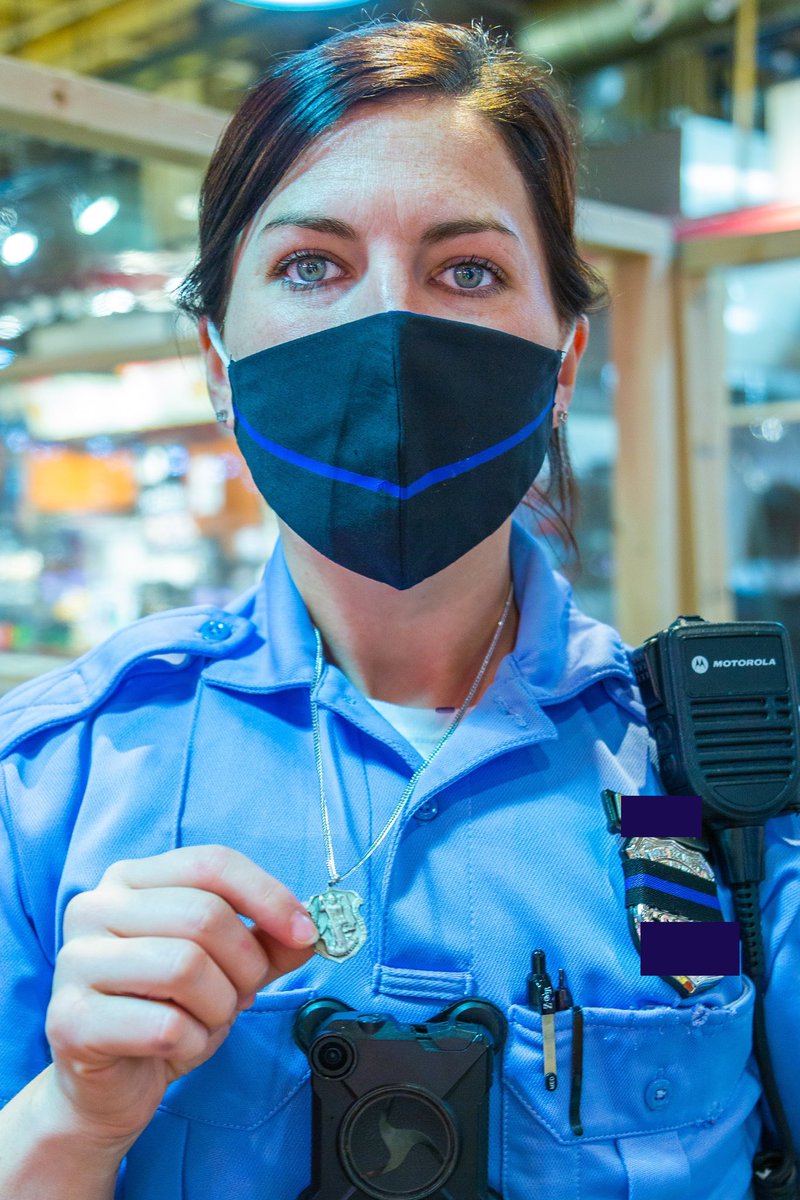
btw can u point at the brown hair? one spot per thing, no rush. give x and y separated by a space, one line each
305 94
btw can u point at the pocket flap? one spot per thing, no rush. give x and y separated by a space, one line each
255 1072
644 1070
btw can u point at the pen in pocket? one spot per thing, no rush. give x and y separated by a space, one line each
547 1000
576 1080
563 1002
544 1000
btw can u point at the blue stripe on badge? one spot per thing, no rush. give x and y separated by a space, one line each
384 486
672 889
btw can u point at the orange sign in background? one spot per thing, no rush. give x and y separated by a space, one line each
61 480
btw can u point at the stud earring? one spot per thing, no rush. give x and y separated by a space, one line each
221 415
562 416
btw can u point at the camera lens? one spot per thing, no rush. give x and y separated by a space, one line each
399 1143
332 1056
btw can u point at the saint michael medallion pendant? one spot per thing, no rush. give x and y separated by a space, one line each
342 931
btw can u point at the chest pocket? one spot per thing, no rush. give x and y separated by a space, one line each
662 1088
242 1118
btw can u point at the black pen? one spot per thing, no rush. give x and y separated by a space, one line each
542 999
563 994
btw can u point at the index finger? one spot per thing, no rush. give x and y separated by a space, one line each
249 889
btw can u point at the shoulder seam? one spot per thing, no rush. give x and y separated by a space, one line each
34 706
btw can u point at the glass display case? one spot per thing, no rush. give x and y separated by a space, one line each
119 494
99 528
592 443
762 319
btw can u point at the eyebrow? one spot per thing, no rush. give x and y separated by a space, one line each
434 233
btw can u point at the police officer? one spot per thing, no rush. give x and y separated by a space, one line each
378 774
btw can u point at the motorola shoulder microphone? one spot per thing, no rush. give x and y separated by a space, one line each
722 702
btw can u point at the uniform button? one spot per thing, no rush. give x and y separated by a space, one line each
427 811
657 1093
215 631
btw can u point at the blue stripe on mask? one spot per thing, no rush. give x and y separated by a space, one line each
451 471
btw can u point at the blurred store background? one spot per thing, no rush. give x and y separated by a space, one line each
119 495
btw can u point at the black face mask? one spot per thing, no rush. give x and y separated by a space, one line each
396 443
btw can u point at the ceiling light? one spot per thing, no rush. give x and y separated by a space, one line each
741 318
188 206
18 248
10 327
772 429
91 215
114 300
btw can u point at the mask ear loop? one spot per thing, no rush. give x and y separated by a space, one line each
216 341
562 413
564 351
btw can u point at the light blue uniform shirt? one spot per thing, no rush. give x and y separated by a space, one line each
503 849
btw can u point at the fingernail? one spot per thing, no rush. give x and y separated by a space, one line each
247 1001
303 928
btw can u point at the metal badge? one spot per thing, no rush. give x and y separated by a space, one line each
342 931
668 881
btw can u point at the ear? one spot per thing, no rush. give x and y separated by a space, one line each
219 388
568 373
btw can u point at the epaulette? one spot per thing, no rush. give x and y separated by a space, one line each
74 690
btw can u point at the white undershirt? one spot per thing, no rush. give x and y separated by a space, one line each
422 727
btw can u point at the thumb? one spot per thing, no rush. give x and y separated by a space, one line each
282 959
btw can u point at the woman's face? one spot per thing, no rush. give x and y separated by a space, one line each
407 204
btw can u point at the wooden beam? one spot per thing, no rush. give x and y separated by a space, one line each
608 226
34 366
43 21
101 36
787 411
745 66
646 536
699 256
704 414
58 105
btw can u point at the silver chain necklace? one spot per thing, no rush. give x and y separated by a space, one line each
336 911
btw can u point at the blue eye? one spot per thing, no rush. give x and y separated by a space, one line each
471 273
312 274
311 270
311 267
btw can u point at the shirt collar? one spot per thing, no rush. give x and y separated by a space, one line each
559 650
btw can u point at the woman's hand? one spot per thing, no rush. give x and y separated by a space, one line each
155 967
